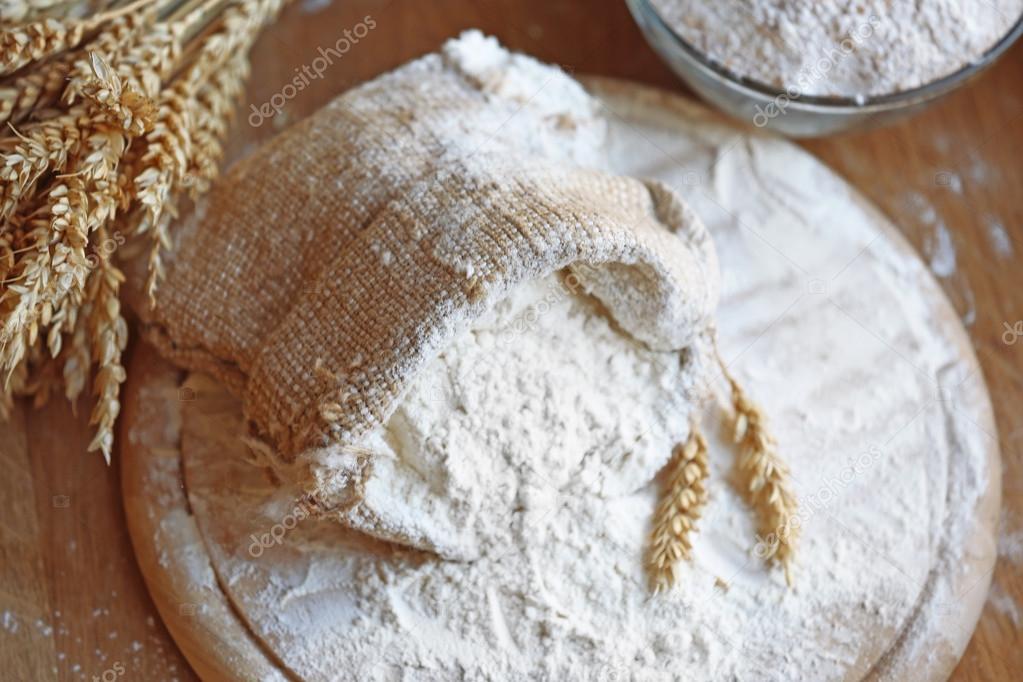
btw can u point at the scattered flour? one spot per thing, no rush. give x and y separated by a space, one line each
1006 605
997 235
844 48
938 246
979 170
314 6
941 251
1010 549
58 633
952 180
1010 546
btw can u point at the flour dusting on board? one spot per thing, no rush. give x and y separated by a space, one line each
938 246
1010 551
558 588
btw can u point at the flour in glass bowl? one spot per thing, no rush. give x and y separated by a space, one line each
842 48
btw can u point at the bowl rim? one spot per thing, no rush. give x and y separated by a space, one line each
913 95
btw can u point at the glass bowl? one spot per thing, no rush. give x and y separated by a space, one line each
801 116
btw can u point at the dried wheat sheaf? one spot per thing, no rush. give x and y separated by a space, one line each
112 110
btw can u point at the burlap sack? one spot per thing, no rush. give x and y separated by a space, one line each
332 264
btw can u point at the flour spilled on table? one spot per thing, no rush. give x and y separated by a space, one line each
938 246
1006 605
1010 542
1010 550
998 236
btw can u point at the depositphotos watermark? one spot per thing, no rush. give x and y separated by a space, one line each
815 73
260 543
1012 332
100 253
111 674
828 492
314 70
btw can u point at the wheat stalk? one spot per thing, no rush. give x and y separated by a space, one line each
214 110
18 382
184 145
20 11
108 336
81 202
37 89
23 44
36 41
77 357
681 501
125 106
117 115
764 481
29 277
165 165
118 37
49 144
171 142
44 147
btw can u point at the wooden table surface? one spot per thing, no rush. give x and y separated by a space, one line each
75 605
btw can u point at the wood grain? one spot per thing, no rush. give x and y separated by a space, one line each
190 601
66 558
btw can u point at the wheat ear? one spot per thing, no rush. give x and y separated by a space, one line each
19 11
678 509
32 42
108 336
36 41
91 159
764 480
37 89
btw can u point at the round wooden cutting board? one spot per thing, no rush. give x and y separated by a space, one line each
827 314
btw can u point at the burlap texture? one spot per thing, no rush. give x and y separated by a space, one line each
328 267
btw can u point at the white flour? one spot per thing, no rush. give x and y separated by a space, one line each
529 448
558 591
539 430
844 48
542 399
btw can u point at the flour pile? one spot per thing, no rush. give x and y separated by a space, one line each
532 441
514 480
542 398
848 48
528 448
888 532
